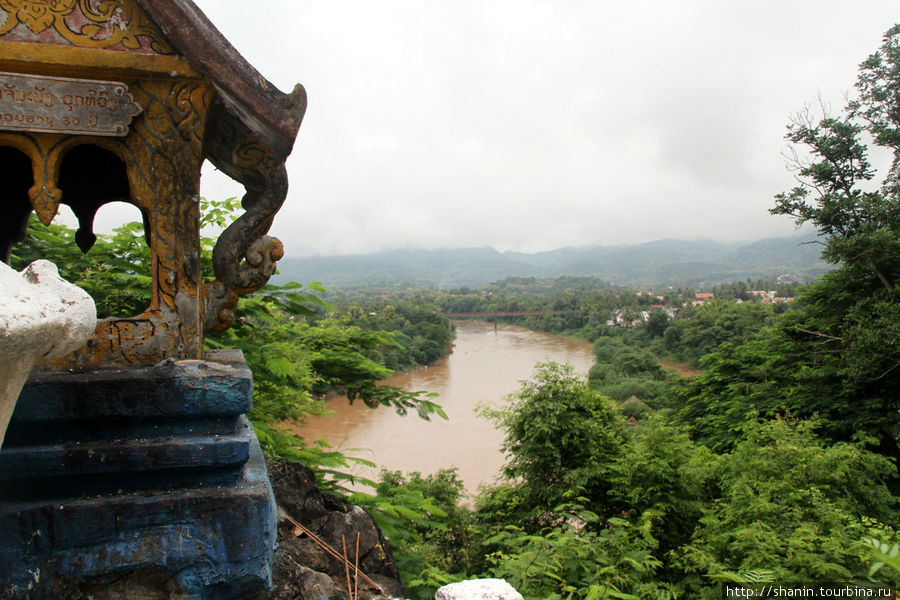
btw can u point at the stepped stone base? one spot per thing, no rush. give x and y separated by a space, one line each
124 479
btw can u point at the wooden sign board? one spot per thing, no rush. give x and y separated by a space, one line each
64 105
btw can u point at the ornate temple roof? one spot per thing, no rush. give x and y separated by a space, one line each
247 95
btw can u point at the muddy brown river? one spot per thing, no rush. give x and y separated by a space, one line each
485 366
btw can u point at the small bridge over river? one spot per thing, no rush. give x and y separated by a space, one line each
503 313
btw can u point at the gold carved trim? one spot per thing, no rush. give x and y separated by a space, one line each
36 15
44 195
86 23
46 152
23 57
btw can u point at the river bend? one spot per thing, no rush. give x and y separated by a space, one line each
485 366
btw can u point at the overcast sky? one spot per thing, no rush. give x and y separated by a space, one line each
531 125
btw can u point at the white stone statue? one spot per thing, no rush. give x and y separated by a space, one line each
478 589
41 316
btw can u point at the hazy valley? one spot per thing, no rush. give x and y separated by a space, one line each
660 263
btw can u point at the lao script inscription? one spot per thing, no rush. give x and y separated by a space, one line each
64 105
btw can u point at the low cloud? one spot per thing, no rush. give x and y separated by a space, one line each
531 125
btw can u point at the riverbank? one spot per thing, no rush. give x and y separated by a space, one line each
681 368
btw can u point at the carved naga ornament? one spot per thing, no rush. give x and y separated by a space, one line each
123 100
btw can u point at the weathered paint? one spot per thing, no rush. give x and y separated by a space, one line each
216 542
182 390
147 471
65 105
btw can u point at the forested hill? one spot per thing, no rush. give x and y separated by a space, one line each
663 262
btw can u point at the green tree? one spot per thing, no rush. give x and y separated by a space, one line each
115 271
836 354
702 329
665 481
422 334
792 504
656 324
560 437
429 527
579 559
854 314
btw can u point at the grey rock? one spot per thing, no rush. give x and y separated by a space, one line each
306 571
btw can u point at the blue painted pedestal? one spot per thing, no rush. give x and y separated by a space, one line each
151 476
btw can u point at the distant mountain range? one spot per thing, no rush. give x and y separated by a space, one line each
660 263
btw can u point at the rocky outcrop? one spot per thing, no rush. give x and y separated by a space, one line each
312 534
